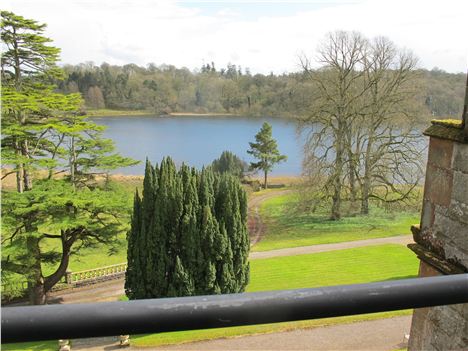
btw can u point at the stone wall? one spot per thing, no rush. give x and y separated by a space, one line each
441 239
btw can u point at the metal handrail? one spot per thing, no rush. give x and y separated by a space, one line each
35 323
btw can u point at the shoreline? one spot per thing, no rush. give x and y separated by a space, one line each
144 113
9 181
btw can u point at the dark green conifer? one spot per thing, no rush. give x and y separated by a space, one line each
133 276
188 234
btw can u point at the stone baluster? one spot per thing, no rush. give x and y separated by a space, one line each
64 345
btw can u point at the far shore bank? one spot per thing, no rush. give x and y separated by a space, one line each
137 113
9 182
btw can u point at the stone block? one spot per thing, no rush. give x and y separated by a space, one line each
458 211
427 215
460 157
452 235
440 152
438 186
460 187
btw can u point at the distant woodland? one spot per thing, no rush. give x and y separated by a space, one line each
164 89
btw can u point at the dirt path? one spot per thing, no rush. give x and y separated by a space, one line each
255 223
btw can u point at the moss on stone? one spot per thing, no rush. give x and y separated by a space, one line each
455 123
450 129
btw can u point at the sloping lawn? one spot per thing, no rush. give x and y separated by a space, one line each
359 265
286 227
351 266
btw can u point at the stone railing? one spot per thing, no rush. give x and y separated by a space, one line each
71 279
95 275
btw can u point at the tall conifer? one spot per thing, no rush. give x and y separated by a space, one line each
188 234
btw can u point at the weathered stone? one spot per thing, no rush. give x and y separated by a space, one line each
446 133
438 186
442 240
458 211
427 216
460 157
452 235
440 153
460 187
433 265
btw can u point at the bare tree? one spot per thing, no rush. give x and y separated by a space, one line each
337 90
390 153
360 126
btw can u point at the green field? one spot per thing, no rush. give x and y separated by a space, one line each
351 266
287 227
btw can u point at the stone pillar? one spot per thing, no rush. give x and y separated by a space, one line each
441 239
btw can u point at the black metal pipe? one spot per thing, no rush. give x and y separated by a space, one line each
35 323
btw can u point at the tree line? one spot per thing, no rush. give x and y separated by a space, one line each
165 88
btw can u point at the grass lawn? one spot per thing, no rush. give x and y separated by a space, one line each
32 346
285 227
358 265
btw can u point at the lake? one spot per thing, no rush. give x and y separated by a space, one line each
198 140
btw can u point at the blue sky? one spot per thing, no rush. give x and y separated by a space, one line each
261 35
252 10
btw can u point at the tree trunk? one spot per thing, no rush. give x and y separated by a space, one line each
19 170
40 286
37 293
55 277
366 181
336 197
265 184
73 162
352 171
26 174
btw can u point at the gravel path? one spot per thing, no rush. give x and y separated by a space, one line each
381 334
304 250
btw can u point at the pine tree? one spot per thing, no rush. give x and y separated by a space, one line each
41 130
265 149
229 163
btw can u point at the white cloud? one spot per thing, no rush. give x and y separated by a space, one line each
143 31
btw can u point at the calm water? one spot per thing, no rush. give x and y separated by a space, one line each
198 140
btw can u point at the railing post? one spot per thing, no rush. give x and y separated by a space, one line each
68 277
64 345
124 340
